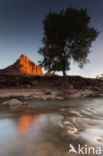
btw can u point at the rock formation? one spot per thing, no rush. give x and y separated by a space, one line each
23 66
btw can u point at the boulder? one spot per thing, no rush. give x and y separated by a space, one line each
12 102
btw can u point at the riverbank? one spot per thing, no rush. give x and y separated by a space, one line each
44 88
47 94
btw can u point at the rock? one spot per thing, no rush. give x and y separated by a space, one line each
34 82
28 86
70 86
12 102
32 97
23 66
59 98
48 74
48 92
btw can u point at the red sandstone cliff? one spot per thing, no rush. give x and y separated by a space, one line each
23 66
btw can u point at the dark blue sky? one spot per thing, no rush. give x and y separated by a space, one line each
21 30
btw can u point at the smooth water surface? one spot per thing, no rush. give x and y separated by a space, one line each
50 127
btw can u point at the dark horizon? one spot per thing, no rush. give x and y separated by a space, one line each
21 30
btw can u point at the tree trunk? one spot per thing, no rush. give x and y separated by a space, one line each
64 75
64 67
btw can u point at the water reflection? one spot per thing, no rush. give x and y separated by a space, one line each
26 121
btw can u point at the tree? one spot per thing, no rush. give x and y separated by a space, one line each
67 35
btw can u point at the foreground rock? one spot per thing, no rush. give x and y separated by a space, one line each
12 102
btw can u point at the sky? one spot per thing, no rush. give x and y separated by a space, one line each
21 31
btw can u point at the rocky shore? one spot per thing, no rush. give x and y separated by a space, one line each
48 87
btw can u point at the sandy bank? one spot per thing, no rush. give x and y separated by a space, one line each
44 94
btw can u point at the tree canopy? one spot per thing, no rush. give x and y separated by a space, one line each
67 35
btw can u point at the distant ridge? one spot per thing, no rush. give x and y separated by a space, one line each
23 66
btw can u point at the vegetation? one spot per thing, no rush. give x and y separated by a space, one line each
99 77
67 35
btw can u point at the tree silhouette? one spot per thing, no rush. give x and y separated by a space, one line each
67 35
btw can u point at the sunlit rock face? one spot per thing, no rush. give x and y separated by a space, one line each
29 67
23 66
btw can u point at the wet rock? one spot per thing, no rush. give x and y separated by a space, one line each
12 102
100 140
59 98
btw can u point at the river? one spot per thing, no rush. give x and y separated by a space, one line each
52 128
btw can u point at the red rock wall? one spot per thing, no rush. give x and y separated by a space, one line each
28 67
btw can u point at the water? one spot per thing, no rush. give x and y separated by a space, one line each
48 128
